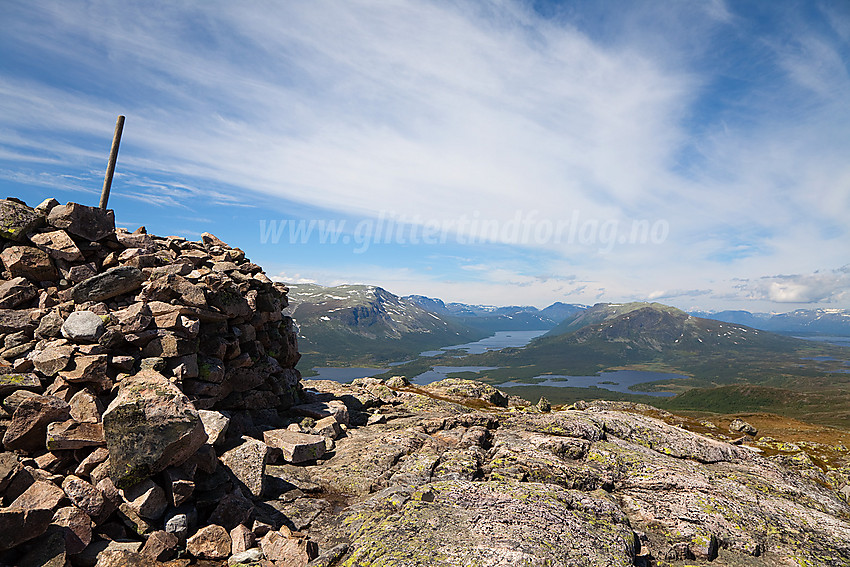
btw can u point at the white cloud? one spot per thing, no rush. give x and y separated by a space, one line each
439 109
820 287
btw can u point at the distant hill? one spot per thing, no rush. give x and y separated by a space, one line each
490 319
653 336
801 321
359 324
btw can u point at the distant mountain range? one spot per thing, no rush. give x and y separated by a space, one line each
492 319
651 334
801 321
360 324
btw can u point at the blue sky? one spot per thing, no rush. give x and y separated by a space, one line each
695 153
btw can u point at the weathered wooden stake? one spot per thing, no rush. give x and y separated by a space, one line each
110 167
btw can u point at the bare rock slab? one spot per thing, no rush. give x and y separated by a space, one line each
149 426
498 524
296 447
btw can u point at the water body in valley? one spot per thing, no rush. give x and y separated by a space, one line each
502 339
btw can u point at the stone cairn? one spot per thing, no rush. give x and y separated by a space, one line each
144 385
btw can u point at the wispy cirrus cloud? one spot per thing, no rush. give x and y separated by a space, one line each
728 122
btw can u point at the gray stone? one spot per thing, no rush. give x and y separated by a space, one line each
90 223
111 283
742 427
180 521
16 291
83 326
254 555
16 220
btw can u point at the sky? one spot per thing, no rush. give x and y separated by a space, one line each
506 152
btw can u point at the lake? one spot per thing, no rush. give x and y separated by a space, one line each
502 339
616 381
833 340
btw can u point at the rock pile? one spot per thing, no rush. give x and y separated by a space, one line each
132 370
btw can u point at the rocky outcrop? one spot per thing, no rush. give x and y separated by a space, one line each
449 483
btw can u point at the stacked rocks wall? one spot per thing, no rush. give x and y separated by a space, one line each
114 347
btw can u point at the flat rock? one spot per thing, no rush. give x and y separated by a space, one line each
28 428
296 447
41 495
496 524
53 359
14 320
149 426
58 245
111 283
71 434
90 223
468 392
18 525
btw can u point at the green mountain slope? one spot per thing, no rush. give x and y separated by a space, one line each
658 337
359 324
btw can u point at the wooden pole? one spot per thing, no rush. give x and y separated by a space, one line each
113 157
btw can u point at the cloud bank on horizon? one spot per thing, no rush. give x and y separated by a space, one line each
694 152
